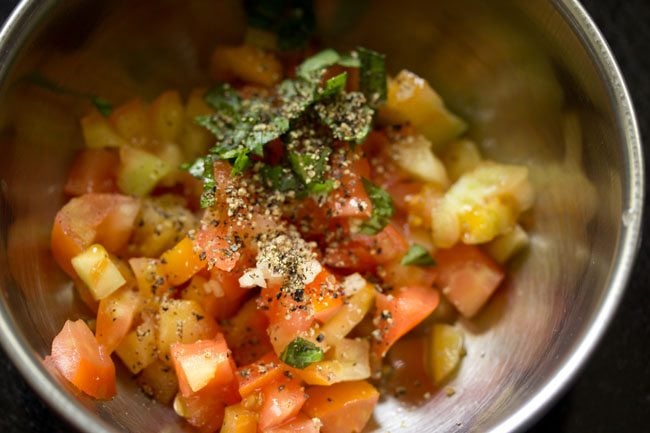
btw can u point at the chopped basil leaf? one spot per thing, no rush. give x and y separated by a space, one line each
417 255
349 61
301 353
102 105
382 209
373 76
318 188
223 98
310 166
334 85
281 178
241 163
347 115
316 63
203 169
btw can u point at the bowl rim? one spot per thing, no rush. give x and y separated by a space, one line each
29 12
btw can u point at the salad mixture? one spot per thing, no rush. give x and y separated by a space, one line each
275 252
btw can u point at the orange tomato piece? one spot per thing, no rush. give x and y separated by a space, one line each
325 295
299 424
288 318
387 245
343 407
107 219
246 334
255 376
399 312
468 277
181 262
282 399
115 317
80 359
93 171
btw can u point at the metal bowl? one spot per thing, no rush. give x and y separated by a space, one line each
538 85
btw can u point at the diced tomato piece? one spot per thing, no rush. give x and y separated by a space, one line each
115 316
231 293
180 263
468 277
246 334
281 401
400 312
343 407
214 244
202 363
81 360
205 409
147 276
351 198
402 192
350 255
107 219
288 318
396 274
239 419
299 424
93 171
255 376
386 246
325 295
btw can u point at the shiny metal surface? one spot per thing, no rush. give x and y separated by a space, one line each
537 83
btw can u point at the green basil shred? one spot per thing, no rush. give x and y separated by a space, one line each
417 255
382 209
301 353
243 127
372 80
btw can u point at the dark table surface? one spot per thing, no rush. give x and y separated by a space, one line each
613 392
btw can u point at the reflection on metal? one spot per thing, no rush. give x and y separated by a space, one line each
537 84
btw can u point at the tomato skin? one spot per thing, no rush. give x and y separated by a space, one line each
467 277
281 401
80 359
406 307
325 295
93 171
107 219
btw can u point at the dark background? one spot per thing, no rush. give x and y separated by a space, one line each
613 392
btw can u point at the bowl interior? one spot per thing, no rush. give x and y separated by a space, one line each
527 83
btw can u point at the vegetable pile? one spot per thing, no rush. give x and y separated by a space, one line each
264 255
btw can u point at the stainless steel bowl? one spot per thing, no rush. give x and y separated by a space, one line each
535 79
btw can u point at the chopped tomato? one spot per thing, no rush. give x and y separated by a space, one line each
246 334
325 295
231 294
81 360
396 274
351 198
215 244
467 277
202 363
343 407
350 255
281 401
255 376
299 424
205 409
288 318
387 245
180 263
401 311
107 219
93 171
115 316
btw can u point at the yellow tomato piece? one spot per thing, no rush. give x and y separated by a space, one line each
99 133
96 269
445 351
349 315
246 62
167 114
238 419
138 349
